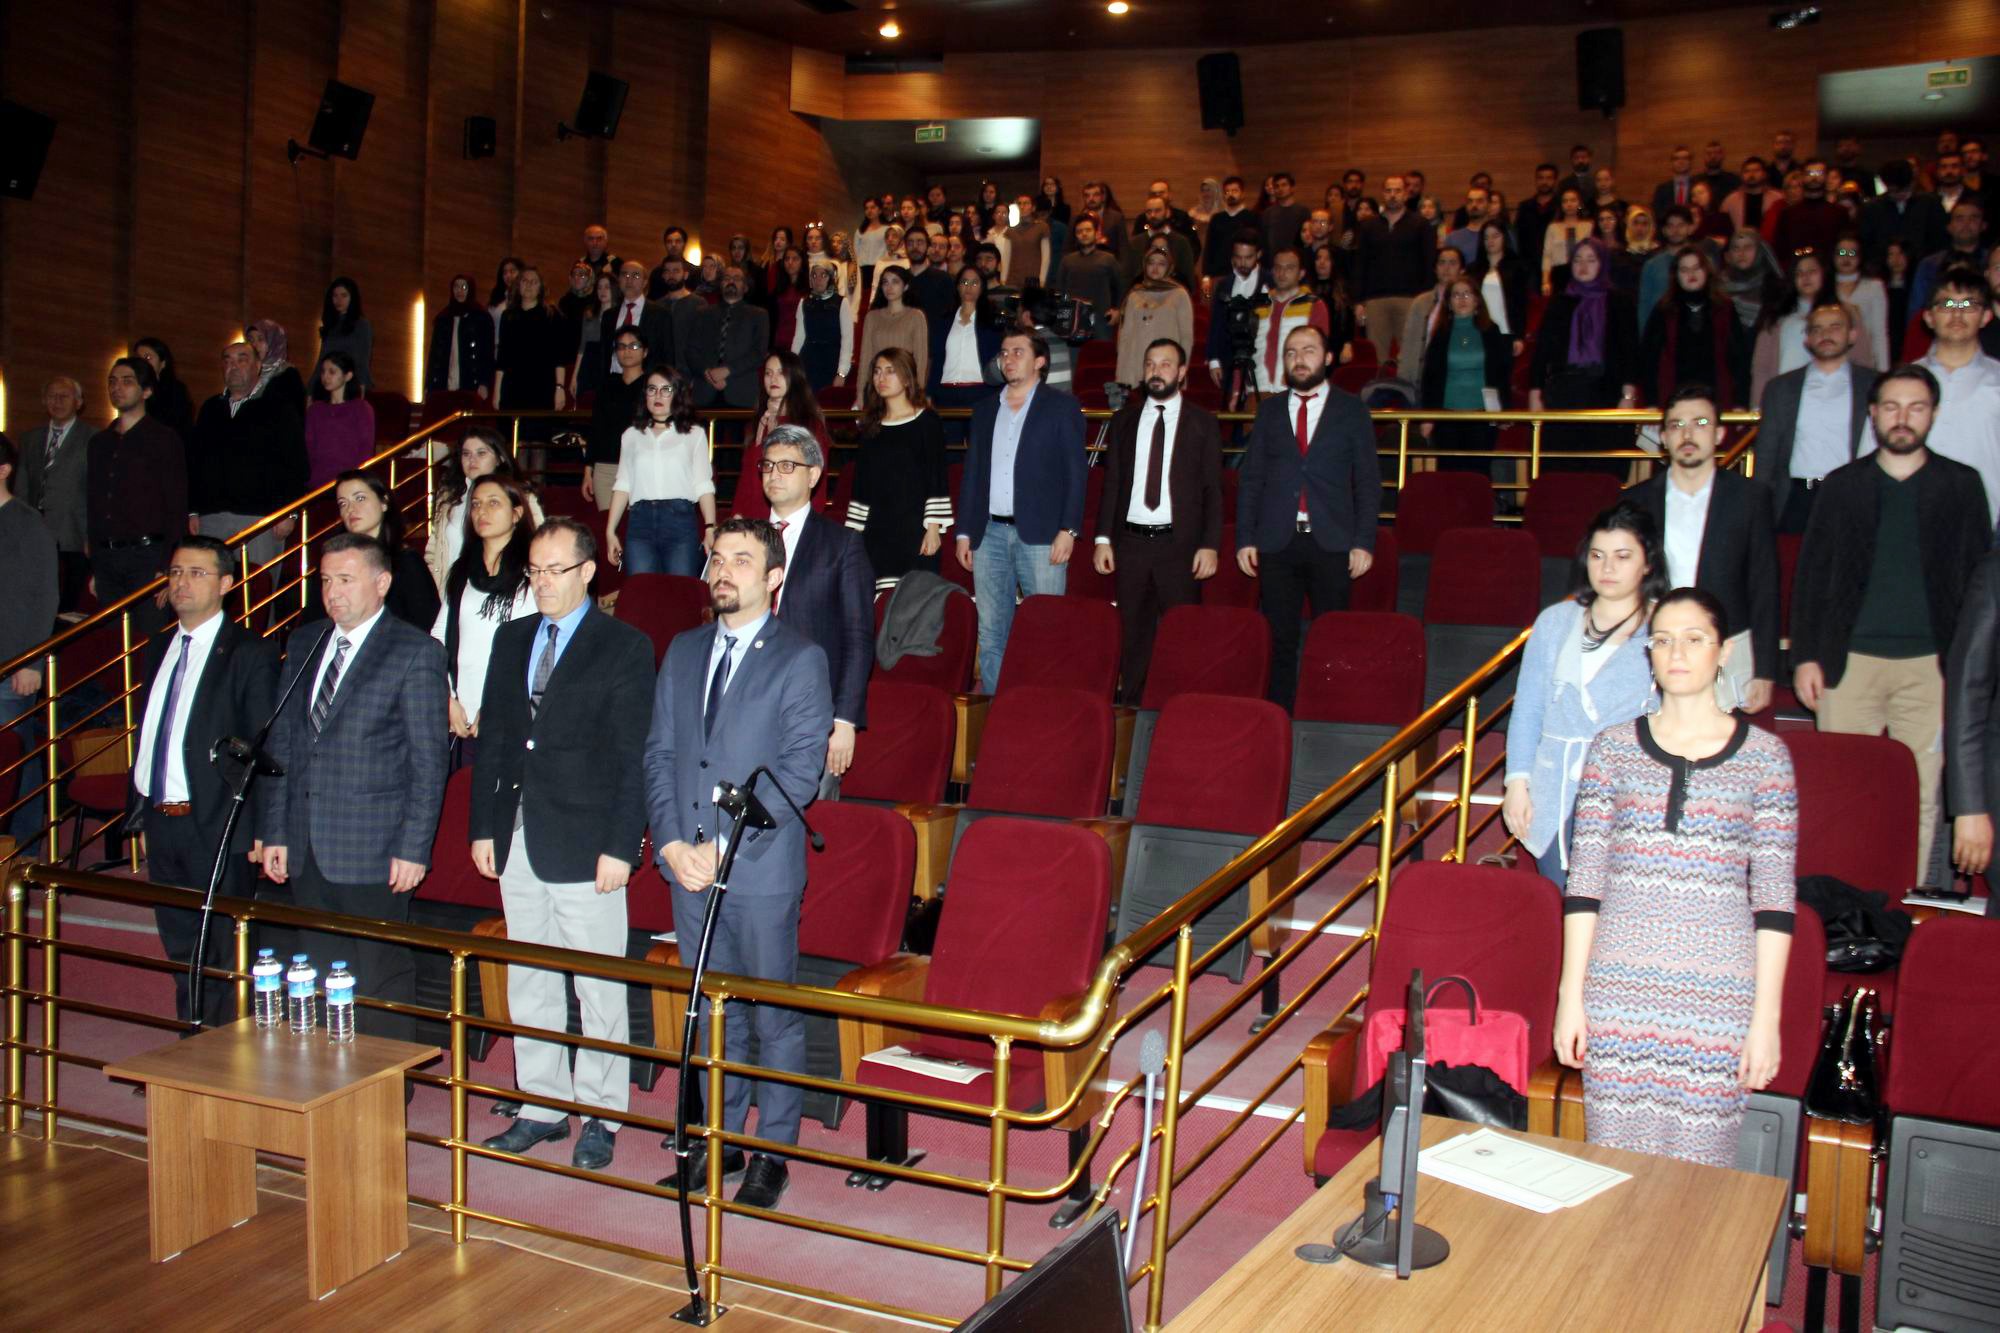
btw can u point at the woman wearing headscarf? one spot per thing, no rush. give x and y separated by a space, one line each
1584 357
1207 204
1751 277
277 378
461 350
1156 307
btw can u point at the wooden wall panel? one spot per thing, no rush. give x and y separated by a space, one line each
470 204
560 187
656 175
819 82
766 164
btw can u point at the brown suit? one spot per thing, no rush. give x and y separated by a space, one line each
1155 572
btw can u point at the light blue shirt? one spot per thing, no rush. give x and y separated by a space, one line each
1007 425
565 632
743 637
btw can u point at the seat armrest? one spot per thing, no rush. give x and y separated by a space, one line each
1117 835
935 826
669 1002
1124 721
969 710
900 976
1840 1167
1268 938
1328 1066
1555 1100
492 974
1063 1071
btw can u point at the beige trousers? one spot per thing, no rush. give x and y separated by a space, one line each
1385 316
603 476
1903 696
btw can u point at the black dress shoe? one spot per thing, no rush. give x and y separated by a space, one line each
524 1134
593 1147
764 1183
733 1164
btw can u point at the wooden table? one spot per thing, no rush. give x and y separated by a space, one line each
1678 1246
214 1100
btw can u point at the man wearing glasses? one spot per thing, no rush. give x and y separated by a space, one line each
558 811
1968 416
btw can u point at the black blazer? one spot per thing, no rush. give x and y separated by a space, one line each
1340 475
238 686
1499 364
1739 558
1551 346
475 351
829 596
1513 291
656 323
1953 533
1971 678
575 767
1194 474
984 333
1779 408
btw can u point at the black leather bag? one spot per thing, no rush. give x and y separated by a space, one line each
1864 933
1843 1085
1472 1093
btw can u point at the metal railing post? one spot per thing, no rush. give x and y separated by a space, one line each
243 579
305 545
996 1202
51 765
1535 449
514 441
712 1281
1170 1119
1465 768
17 1000
459 1069
1402 456
125 675
1386 855
51 916
242 966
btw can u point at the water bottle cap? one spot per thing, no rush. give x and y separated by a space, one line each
340 962
298 958
264 953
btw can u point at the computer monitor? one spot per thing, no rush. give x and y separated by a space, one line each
1080 1284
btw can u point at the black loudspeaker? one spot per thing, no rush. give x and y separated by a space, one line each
482 135
1221 78
24 147
342 120
1600 69
597 113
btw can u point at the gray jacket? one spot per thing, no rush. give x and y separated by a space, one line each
58 489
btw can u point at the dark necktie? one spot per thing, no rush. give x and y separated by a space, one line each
56 438
323 702
545 666
1305 442
1156 464
163 731
716 685
722 334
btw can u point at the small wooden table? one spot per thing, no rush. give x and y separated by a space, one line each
214 1100
1678 1246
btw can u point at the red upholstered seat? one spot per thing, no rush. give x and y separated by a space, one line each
1561 505
662 605
1362 667
1230 586
1799 1018
1378 588
1354 375
1220 763
1944 1065
10 776
649 901
904 753
392 415
1788 568
951 669
1065 641
1484 576
1432 503
1857 808
858 889
1046 751
452 878
1364 353
1209 650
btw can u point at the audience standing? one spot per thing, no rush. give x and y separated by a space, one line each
901 504
664 479
51 477
136 501
488 586
246 458
340 422
460 357
1393 261
343 328
1813 420
27 618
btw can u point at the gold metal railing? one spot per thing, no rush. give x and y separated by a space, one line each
1407 815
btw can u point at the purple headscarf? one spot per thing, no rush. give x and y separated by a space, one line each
1593 303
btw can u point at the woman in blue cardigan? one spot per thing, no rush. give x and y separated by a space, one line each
1585 669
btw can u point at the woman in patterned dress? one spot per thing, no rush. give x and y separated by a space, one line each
1677 917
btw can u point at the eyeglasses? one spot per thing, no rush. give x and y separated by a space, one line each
1845 253
1693 640
1958 303
784 467
536 573
630 347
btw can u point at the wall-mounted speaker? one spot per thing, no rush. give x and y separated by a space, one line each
1600 69
482 137
597 112
24 148
342 120
1221 78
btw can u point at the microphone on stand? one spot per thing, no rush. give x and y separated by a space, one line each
1152 1063
818 843
245 752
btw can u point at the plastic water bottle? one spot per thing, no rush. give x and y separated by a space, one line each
267 988
301 1002
339 1003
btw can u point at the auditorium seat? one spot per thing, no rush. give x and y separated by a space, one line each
99 778
1500 929
1485 586
11 753
454 896
1021 933
904 753
1361 680
1230 586
1381 586
1197 650
662 605
1364 353
1558 512
1429 505
1354 376
1065 641
949 669
392 416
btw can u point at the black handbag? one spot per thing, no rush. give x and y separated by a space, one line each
1864 931
1843 1085
1472 1093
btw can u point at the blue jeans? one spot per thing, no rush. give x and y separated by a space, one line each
1551 865
1003 564
663 537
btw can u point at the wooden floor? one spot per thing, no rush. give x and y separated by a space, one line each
73 1237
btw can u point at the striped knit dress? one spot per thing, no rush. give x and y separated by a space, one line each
1683 861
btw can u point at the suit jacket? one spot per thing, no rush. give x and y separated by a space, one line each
749 342
1340 475
1048 468
475 352
1663 195
656 322
572 768
1779 408
1193 481
776 712
59 489
1972 675
238 686
1738 563
369 785
829 596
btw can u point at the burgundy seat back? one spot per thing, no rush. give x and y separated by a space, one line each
1046 751
392 415
1363 667
1230 586
1499 929
1788 568
1432 503
10 754
1857 809
452 878
1942 1060
1209 650
858 889
662 605
1071 642
1561 505
1799 1018
1378 588
1023 923
904 753
1218 763
951 669
649 900
1484 576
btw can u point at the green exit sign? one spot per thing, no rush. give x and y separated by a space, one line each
930 134
1959 77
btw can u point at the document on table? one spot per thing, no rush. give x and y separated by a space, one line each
952 1071
1525 1174
1969 905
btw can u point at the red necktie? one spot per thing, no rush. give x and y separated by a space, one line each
1680 191
1305 441
630 317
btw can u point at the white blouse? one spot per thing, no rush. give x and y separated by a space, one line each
475 640
668 464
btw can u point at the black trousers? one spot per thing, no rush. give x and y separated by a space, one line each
124 571
381 971
1285 579
180 853
1153 574
72 574
1797 507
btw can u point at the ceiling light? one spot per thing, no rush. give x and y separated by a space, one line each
889 29
1119 7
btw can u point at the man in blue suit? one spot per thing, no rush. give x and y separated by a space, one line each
363 742
748 691
1020 508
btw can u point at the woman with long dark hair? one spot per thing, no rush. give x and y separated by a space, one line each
170 403
343 328
1465 369
588 371
365 506
868 243
504 279
1503 283
340 423
480 453
1050 202
788 288
665 481
902 493
963 346
1331 288
487 587
784 398
1584 670
770 264
894 324
535 350
1570 227
461 349
1692 336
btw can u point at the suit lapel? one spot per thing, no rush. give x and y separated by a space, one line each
212 674
798 569
354 674
749 656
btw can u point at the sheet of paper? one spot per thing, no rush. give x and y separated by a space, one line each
1522 1173
951 1071
667 937
1970 906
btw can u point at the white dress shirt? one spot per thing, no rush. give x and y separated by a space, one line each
669 464
1687 515
1007 425
1967 426
1819 440
961 352
1137 512
174 729
355 638
476 632
1495 297
1315 405
744 639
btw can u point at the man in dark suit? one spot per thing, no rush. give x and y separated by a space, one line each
1308 500
558 811
1159 519
55 458
1021 503
1715 529
1972 726
746 692
829 589
210 678
652 318
363 741
1815 418
725 346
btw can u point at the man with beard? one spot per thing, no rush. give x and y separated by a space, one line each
1813 223
1223 229
726 344
1715 528
1159 519
657 284
1814 419
1307 504
1893 541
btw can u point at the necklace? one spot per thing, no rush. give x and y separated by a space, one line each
1593 637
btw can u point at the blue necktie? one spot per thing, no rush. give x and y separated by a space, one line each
163 731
